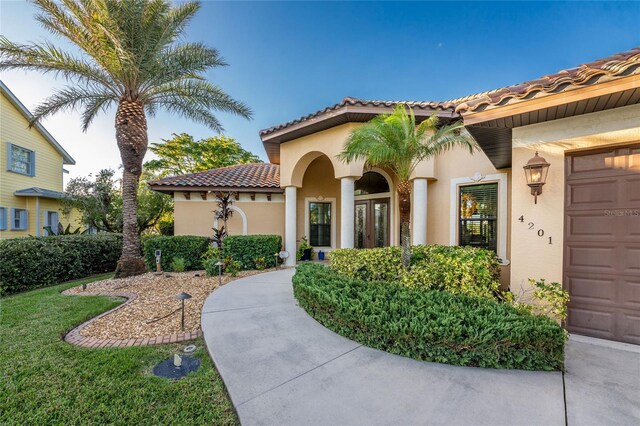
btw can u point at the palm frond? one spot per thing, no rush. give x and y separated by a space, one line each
200 94
73 98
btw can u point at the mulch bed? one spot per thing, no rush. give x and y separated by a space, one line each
153 310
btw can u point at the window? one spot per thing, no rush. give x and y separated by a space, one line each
320 224
51 219
21 160
19 219
3 218
478 216
371 183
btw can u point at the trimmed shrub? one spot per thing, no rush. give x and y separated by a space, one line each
246 248
430 325
190 248
377 264
458 270
33 262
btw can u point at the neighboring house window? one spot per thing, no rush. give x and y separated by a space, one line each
21 160
19 219
320 224
52 219
3 218
478 216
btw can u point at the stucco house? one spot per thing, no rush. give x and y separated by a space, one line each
31 172
582 230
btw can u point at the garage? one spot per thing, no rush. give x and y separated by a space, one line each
602 242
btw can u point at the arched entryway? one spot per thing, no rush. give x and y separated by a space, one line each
373 210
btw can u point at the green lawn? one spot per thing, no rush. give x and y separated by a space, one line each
44 380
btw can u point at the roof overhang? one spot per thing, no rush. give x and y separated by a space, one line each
492 128
336 117
39 192
66 158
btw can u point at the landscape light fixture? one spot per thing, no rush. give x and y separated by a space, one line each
183 296
219 265
276 257
536 171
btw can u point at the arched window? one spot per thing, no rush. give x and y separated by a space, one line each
371 183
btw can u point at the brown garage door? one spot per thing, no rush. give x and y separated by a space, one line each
602 243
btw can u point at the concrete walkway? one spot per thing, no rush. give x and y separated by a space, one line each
282 367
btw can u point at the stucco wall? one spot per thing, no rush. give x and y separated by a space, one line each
195 216
532 255
456 165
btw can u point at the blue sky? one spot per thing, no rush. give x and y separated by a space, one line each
291 59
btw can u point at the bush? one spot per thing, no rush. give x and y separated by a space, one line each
178 264
458 270
429 325
189 248
260 262
29 263
377 264
210 267
246 248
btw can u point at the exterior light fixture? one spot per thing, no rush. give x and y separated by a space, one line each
536 171
276 256
158 267
283 255
219 265
183 296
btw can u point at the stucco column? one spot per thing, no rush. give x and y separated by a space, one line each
346 212
290 193
419 211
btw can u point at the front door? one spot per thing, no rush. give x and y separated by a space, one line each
372 223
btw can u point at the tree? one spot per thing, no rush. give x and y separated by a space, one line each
394 142
182 154
131 56
99 202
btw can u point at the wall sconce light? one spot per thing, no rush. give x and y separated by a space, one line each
536 171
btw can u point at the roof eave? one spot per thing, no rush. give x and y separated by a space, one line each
66 158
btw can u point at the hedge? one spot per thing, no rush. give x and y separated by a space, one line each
33 262
246 248
458 270
430 325
190 248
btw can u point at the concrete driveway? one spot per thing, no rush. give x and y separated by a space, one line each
281 367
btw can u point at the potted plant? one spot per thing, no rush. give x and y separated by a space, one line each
304 250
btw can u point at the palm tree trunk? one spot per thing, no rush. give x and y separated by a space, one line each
131 134
404 202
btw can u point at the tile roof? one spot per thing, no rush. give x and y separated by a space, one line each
599 71
258 176
610 68
349 101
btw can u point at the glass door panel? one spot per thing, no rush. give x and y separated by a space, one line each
381 223
361 226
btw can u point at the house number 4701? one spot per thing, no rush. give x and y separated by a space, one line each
531 226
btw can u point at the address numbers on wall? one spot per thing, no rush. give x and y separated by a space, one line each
532 226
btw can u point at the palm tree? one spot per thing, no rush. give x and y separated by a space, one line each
130 56
394 142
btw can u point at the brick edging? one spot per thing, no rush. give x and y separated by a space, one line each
75 338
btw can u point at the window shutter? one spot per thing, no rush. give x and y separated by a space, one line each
3 218
9 156
24 219
32 163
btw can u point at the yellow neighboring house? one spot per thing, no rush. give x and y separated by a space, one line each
31 172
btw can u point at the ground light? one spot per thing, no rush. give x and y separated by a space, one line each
219 265
183 296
